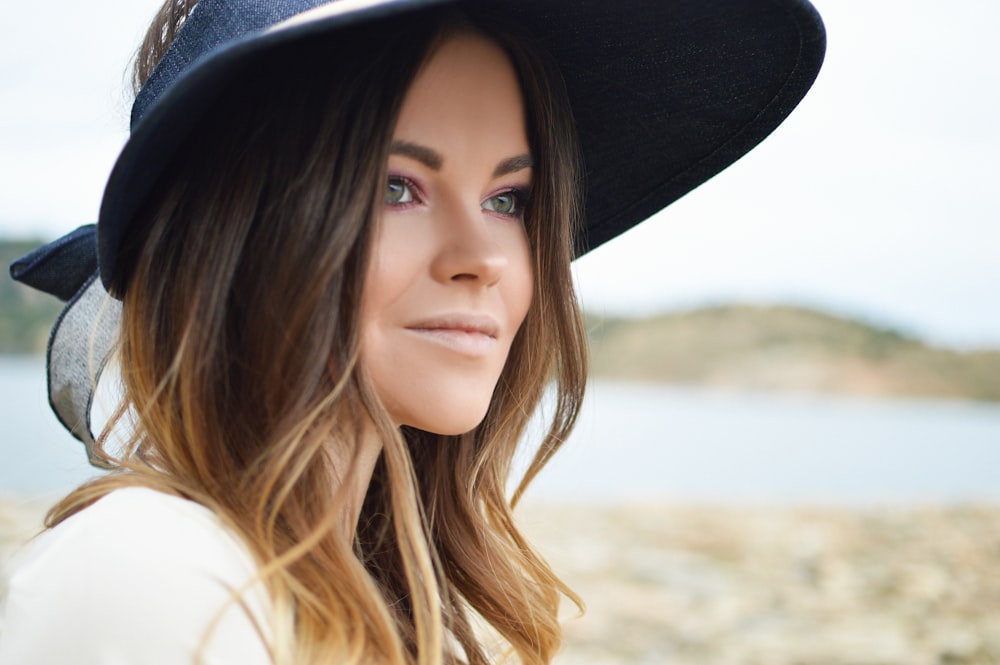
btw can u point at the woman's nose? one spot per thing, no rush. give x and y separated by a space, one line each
469 248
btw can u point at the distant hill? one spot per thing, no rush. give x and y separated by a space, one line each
786 349
736 347
26 315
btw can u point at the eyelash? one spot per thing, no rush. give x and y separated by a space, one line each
522 197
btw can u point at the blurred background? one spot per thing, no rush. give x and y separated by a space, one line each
790 450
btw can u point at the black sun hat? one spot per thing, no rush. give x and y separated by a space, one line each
665 94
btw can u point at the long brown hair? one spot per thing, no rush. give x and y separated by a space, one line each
239 357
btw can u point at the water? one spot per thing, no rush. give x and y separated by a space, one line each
653 442
38 456
636 442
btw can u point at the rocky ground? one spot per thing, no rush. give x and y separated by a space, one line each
777 586
723 585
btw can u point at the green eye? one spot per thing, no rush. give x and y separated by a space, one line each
397 191
505 203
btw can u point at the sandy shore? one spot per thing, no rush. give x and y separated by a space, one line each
680 585
778 586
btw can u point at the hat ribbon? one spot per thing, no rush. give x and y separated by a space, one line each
85 333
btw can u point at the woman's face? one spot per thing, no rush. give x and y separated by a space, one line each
450 279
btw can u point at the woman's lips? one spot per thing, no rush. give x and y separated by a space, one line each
471 335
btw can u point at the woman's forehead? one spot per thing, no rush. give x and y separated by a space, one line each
465 100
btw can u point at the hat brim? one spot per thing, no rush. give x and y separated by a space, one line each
665 94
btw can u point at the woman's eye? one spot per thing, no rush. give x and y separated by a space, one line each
505 203
398 191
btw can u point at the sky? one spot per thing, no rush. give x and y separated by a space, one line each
875 199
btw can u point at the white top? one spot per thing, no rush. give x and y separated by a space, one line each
138 577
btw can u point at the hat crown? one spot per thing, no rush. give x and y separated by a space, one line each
211 25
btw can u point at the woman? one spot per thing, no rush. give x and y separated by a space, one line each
341 235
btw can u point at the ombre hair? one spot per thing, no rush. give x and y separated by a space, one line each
239 358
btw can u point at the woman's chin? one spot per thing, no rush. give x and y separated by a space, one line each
448 421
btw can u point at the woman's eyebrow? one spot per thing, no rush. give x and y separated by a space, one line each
432 159
426 156
513 165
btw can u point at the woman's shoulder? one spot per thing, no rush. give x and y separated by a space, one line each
138 529
138 572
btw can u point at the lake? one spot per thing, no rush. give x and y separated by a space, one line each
645 442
